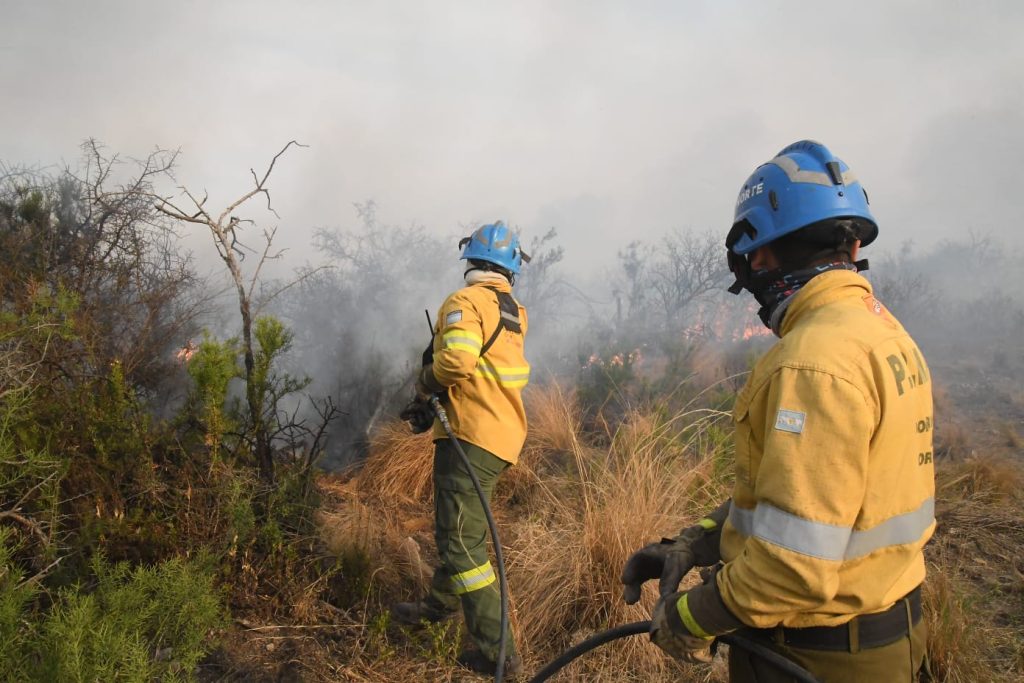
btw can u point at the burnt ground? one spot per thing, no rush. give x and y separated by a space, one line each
979 406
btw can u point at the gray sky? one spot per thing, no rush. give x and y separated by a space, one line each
611 121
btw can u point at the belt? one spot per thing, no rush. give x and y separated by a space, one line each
860 633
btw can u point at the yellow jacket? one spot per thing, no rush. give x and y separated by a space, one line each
834 493
486 403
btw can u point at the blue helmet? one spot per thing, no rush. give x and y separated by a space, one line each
494 243
804 184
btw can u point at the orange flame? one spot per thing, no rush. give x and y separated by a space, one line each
185 353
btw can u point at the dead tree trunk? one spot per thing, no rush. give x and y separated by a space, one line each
224 229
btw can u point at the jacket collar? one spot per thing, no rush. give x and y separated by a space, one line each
480 278
822 290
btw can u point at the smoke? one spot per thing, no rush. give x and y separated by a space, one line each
360 327
610 122
959 298
624 128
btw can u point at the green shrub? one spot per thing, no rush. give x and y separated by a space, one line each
139 624
237 509
212 367
15 597
607 384
135 624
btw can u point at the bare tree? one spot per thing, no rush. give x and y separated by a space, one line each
632 283
663 283
224 228
542 288
94 235
903 286
687 267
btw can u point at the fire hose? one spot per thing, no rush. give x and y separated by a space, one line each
637 627
442 415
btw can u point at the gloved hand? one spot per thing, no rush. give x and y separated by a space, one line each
677 641
427 384
643 565
670 560
418 414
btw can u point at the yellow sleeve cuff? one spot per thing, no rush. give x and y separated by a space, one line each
683 608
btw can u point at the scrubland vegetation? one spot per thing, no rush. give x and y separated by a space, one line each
145 536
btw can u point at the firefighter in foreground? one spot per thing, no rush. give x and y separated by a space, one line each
476 364
818 554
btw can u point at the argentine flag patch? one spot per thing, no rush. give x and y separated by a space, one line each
790 421
452 318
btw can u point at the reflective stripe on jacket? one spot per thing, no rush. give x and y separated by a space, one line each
834 493
486 407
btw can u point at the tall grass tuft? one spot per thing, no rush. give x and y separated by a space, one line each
566 557
400 467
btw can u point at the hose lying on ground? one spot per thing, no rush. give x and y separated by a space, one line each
638 627
442 415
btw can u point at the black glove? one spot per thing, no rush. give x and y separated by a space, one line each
419 415
643 565
670 560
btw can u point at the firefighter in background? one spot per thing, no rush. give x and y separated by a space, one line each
818 554
476 363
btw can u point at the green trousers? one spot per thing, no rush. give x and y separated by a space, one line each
899 662
466 574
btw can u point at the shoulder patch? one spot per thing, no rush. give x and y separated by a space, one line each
452 318
790 421
879 309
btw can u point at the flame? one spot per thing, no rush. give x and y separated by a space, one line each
185 353
721 324
634 358
752 331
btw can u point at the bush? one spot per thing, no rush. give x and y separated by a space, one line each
136 624
16 595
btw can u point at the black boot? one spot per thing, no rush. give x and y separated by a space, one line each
474 660
414 613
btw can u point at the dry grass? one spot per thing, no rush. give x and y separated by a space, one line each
953 633
978 480
571 513
974 595
1012 436
555 422
951 437
565 560
400 467
952 440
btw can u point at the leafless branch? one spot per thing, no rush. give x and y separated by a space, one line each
29 524
39 576
265 301
260 184
264 257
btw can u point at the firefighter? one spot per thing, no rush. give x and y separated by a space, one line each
476 364
818 553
